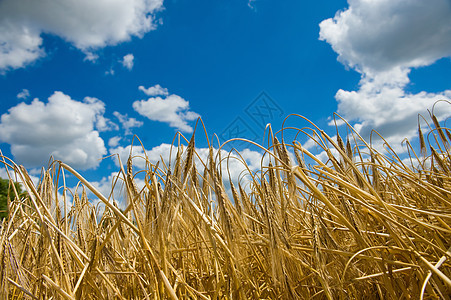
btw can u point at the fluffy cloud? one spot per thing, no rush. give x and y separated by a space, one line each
154 155
383 40
375 36
128 61
86 24
391 111
156 90
112 187
235 166
19 46
127 122
63 127
173 110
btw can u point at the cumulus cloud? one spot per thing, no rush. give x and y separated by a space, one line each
62 127
173 110
155 90
384 40
154 155
127 122
88 25
19 46
391 111
112 187
128 61
164 151
377 36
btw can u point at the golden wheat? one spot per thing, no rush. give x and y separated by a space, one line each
361 225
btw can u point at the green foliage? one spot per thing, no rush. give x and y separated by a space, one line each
7 192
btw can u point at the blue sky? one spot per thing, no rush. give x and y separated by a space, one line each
78 78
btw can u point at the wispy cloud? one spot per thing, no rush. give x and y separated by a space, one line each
127 123
114 141
24 94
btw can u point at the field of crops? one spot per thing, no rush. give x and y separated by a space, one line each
365 224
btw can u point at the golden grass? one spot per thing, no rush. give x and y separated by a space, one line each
362 225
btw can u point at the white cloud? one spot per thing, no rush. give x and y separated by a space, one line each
235 167
324 157
384 40
63 127
105 124
391 111
19 46
128 61
24 94
113 187
114 141
105 187
127 122
250 3
88 25
376 36
155 90
173 110
90 56
110 72
137 152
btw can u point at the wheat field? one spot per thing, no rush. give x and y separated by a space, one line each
364 224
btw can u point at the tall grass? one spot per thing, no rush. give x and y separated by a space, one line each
364 224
